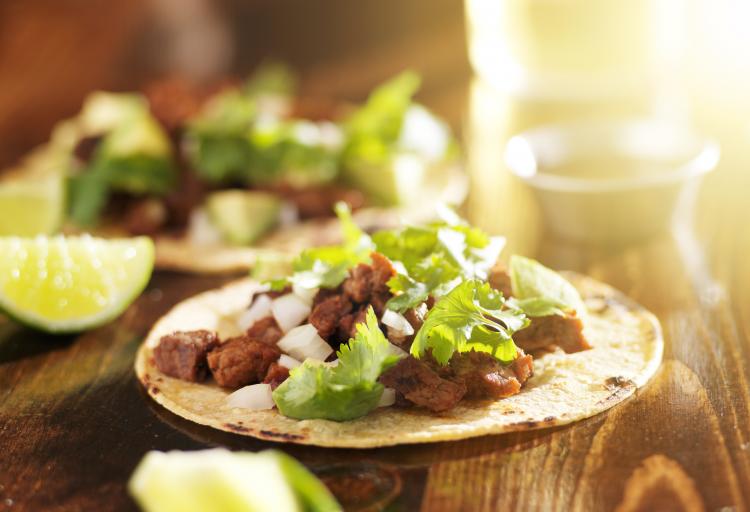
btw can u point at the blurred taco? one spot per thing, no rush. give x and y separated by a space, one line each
215 173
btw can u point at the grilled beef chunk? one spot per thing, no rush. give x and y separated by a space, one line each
564 331
347 327
183 354
241 361
173 101
276 375
265 330
327 314
499 279
423 382
335 313
486 377
421 385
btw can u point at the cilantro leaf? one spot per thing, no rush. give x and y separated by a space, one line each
346 391
413 293
436 257
541 291
471 316
375 127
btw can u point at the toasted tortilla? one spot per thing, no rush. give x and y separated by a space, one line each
627 350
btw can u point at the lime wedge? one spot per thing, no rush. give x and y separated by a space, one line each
212 481
32 205
61 284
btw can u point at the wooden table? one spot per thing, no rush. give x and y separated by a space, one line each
74 421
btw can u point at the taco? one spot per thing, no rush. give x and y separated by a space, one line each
219 175
411 335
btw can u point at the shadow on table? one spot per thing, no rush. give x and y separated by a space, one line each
18 342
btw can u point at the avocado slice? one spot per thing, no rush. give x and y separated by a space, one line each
243 216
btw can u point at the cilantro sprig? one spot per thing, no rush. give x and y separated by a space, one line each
343 392
472 316
435 258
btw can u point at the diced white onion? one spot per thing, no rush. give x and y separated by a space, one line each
201 231
388 398
260 308
303 343
288 215
255 397
288 361
289 311
398 322
306 294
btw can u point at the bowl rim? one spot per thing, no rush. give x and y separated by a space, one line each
703 160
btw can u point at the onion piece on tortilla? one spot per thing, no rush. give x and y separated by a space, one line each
289 311
388 398
398 322
306 294
201 231
260 308
303 342
255 397
288 361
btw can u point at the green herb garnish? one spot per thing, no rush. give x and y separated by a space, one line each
436 258
343 392
540 291
472 316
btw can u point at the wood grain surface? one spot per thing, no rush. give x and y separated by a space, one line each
74 421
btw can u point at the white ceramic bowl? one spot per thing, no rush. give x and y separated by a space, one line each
600 205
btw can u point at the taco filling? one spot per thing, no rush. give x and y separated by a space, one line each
417 317
230 163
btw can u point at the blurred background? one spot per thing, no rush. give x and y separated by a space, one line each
493 68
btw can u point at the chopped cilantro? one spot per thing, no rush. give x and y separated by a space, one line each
436 258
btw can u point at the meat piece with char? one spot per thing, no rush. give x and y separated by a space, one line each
240 361
347 326
486 377
327 314
182 354
367 284
265 330
336 312
276 375
419 383
565 331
